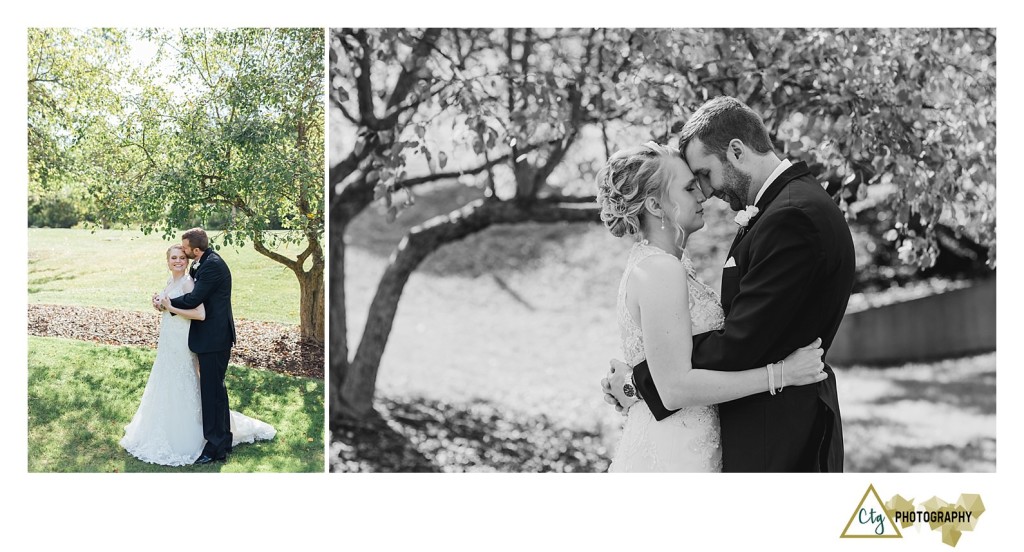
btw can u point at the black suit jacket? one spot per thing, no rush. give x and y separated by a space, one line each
792 280
213 291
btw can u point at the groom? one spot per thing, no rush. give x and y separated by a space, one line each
786 281
211 339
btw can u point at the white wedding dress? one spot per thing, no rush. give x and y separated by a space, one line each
167 428
690 439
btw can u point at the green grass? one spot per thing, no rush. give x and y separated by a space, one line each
121 269
523 317
81 395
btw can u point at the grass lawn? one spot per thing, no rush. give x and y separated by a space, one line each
523 317
931 417
81 395
121 269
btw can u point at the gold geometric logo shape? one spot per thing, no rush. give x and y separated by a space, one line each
871 520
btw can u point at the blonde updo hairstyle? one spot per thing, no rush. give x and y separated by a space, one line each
172 248
626 181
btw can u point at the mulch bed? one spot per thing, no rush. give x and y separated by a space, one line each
265 345
425 435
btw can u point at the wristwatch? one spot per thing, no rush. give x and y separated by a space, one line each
630 390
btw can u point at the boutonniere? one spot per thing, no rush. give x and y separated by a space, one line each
744 216
195 265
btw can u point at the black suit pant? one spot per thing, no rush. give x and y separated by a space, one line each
216 414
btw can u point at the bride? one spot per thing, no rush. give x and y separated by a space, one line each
648 192
167 428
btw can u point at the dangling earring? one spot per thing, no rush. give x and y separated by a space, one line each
662 222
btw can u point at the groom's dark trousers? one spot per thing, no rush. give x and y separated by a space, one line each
793 274
211 339
216 413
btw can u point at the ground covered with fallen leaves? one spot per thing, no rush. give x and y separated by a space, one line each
425 435
265 345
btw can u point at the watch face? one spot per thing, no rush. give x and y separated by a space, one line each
628 390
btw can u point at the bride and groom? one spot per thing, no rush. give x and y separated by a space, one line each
183 417
733 384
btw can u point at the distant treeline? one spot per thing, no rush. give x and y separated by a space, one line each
70 206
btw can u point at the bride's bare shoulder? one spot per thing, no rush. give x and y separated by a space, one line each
658 280
659 269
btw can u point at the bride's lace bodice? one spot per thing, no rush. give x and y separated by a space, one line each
688 440
705 307
174 329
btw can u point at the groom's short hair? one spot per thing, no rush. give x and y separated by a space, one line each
719 121
196 238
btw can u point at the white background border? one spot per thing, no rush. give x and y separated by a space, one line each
486 511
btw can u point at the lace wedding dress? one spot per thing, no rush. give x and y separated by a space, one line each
688 440
167 428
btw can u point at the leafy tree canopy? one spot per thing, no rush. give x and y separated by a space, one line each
167 128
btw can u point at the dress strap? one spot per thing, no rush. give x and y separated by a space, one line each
688 265
641 250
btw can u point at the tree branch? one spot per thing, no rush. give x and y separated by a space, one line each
300 259
364 86
410 74
575 106
344 110
340 172
410 182
257 243
509 36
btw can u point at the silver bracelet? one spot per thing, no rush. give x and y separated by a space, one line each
782 375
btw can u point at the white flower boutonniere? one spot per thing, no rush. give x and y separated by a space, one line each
195 265
744 216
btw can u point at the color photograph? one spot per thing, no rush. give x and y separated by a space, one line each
176 270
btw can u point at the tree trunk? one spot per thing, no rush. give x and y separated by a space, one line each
355 399
311 304
311 286
339 338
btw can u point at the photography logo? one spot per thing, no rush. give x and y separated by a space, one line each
873 519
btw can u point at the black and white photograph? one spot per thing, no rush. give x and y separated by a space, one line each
662 250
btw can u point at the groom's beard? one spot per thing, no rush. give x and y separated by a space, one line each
736 187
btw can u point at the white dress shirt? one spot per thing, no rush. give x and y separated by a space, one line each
771 178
